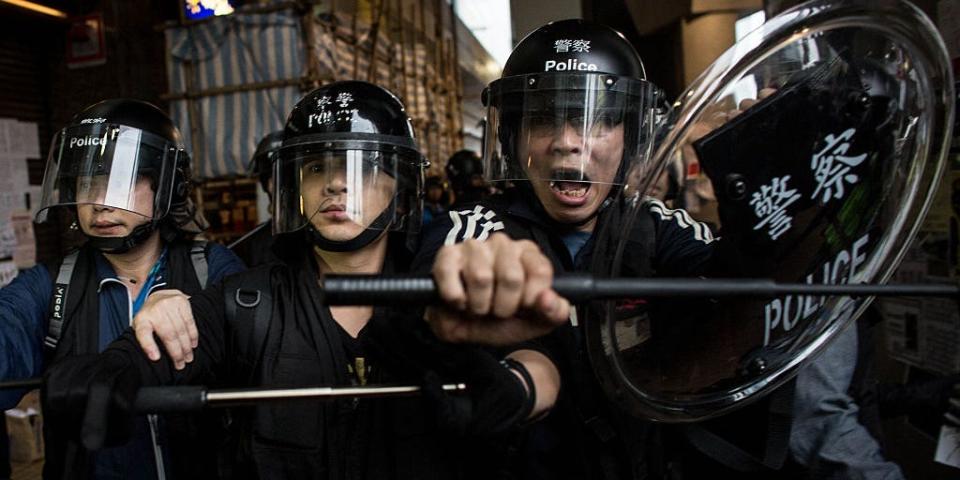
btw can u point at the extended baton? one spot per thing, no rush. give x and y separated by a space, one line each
191 398
385 290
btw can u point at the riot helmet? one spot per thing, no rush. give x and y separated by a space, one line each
465 172
349 168
261 165
123 156
570 115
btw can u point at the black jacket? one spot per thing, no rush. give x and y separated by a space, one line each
304 346
584 436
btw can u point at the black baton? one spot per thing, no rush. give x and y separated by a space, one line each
385 290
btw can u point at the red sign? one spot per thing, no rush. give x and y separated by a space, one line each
86 46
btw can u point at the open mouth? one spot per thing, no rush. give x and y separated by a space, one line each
570 183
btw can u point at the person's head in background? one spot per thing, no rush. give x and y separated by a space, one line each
261 164
465 174
436 192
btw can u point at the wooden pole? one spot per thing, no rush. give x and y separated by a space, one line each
312 61
457 80
335 39
245 87
193 115
375 13
356 41
395 11
422 80
434 81
196 133
403 52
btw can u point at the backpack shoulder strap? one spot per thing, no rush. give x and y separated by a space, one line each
58 302
198 257
249 305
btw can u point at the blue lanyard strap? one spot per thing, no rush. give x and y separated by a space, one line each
148 284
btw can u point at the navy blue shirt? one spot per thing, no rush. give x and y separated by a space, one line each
116 306
575 241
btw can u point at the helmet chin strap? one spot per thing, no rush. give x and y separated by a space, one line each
371 233
139 235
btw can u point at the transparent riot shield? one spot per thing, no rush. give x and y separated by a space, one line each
809 152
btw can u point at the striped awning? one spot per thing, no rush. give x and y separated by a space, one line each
260 52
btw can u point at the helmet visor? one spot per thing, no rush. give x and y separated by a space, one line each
341 193
113 166
568 130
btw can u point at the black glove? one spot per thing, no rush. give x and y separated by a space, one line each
496 399
92 396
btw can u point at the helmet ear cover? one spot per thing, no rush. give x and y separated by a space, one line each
182 184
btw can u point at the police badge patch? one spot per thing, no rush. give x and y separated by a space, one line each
477 223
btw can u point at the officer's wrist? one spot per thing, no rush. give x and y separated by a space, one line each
525 380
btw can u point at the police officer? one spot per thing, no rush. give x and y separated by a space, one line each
254 246
465 172
570 117
121 169
347 196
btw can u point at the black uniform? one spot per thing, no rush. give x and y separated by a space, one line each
302 345
584 436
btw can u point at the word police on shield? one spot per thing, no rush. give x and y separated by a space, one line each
821 138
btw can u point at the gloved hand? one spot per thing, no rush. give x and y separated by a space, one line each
92 396
496 400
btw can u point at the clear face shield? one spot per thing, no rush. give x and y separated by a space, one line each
571 136
111 166
342 193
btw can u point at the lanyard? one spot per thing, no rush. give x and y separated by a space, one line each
148 284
